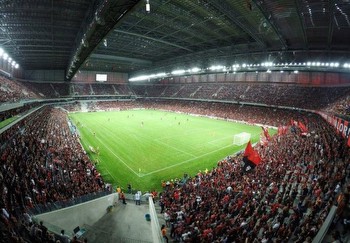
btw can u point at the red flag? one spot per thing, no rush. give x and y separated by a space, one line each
302 127
251 154
282 130
266 133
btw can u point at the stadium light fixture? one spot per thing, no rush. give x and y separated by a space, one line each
5 56
9 59
160 75
177 72
195 70
16 66
218 67
148 6
296 71
13 63
139 78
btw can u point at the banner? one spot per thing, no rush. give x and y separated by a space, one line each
341 126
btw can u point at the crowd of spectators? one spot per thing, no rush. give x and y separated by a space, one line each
42 162
262 93
286 198
288 195
13 91
101 89
275 94
340 107
246 113
48 90
15 112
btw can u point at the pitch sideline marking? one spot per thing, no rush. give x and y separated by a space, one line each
105 168
164 168
114 154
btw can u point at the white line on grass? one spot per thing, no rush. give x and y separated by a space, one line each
218 139
184 152
114 154
105 168
184 162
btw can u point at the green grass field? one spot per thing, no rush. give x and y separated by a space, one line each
166 146
8 121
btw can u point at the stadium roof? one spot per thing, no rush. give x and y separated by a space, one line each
122 36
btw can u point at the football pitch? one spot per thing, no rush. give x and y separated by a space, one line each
144 147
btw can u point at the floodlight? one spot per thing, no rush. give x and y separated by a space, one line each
296 71
13 63
5 56
16 66
160 74
175 72
148 6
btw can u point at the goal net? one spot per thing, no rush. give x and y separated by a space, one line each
241 138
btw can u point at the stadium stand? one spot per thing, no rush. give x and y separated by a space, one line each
12 91
340 107
81 89
37 162
306 97
286 198
54 159
42 163
102 89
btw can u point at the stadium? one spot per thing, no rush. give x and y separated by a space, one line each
174 121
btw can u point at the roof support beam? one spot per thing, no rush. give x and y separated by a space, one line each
268 18
119 58
302 24
331 23
222 7
153 39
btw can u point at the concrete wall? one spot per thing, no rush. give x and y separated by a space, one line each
86 213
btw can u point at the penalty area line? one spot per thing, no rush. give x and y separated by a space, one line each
184 162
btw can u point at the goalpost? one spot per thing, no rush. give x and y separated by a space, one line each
241 138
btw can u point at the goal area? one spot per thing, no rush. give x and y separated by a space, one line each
241 138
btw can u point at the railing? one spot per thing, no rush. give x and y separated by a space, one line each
156 233
48 207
